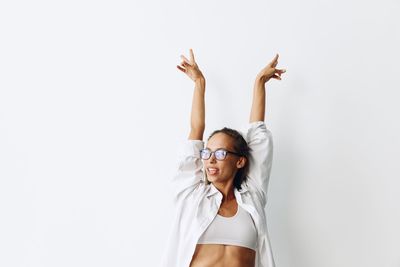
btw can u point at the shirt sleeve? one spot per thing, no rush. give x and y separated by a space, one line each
189 171
259 139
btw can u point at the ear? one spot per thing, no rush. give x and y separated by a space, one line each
241 162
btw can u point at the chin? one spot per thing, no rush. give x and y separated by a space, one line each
214 179
211 178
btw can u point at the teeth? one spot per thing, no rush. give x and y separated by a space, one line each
212 170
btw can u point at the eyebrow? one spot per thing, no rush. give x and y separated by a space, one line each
218 148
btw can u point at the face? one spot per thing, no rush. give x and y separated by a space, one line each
223 170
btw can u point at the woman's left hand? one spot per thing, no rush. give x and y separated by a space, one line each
270 71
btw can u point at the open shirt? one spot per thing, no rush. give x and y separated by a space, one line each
197 203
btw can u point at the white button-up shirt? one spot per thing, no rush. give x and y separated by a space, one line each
197 203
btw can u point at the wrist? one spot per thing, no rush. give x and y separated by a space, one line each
200 77
260 81
200 81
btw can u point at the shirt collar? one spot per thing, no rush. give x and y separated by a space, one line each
213 190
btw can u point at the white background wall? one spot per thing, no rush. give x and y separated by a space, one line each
92 108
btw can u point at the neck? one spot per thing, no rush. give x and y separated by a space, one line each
227 191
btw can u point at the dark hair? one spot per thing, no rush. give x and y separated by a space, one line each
240 146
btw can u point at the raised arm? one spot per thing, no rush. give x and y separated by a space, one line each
258 105
189 172
258 136
197 118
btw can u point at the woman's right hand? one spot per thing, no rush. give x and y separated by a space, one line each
190 67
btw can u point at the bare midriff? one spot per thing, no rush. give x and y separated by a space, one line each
220 255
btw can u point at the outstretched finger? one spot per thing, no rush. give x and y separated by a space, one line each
275 59
191 55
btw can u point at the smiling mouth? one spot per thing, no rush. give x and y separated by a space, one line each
212 171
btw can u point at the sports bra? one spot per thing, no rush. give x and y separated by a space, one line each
236 230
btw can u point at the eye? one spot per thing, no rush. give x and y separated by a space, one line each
220 153
204 152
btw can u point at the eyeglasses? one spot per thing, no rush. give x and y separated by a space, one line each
220 154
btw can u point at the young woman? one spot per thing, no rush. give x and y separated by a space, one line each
220 191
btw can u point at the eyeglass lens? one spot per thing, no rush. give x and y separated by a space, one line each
219 154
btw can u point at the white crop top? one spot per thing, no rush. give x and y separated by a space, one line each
238 230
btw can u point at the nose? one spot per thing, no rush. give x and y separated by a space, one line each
212 157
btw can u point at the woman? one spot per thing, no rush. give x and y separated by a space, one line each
220 218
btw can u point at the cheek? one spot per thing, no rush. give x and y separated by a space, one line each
231 167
